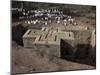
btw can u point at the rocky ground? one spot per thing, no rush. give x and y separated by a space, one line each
26 60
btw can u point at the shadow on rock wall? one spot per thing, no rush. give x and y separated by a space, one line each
82 53
17 33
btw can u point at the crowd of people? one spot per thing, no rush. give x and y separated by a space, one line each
46 17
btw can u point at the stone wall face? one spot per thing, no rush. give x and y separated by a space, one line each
92 50
53 50
28 42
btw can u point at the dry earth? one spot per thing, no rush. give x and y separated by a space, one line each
26 60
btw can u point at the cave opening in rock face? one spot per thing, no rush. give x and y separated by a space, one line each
17 33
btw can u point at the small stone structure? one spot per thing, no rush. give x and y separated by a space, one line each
52 40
